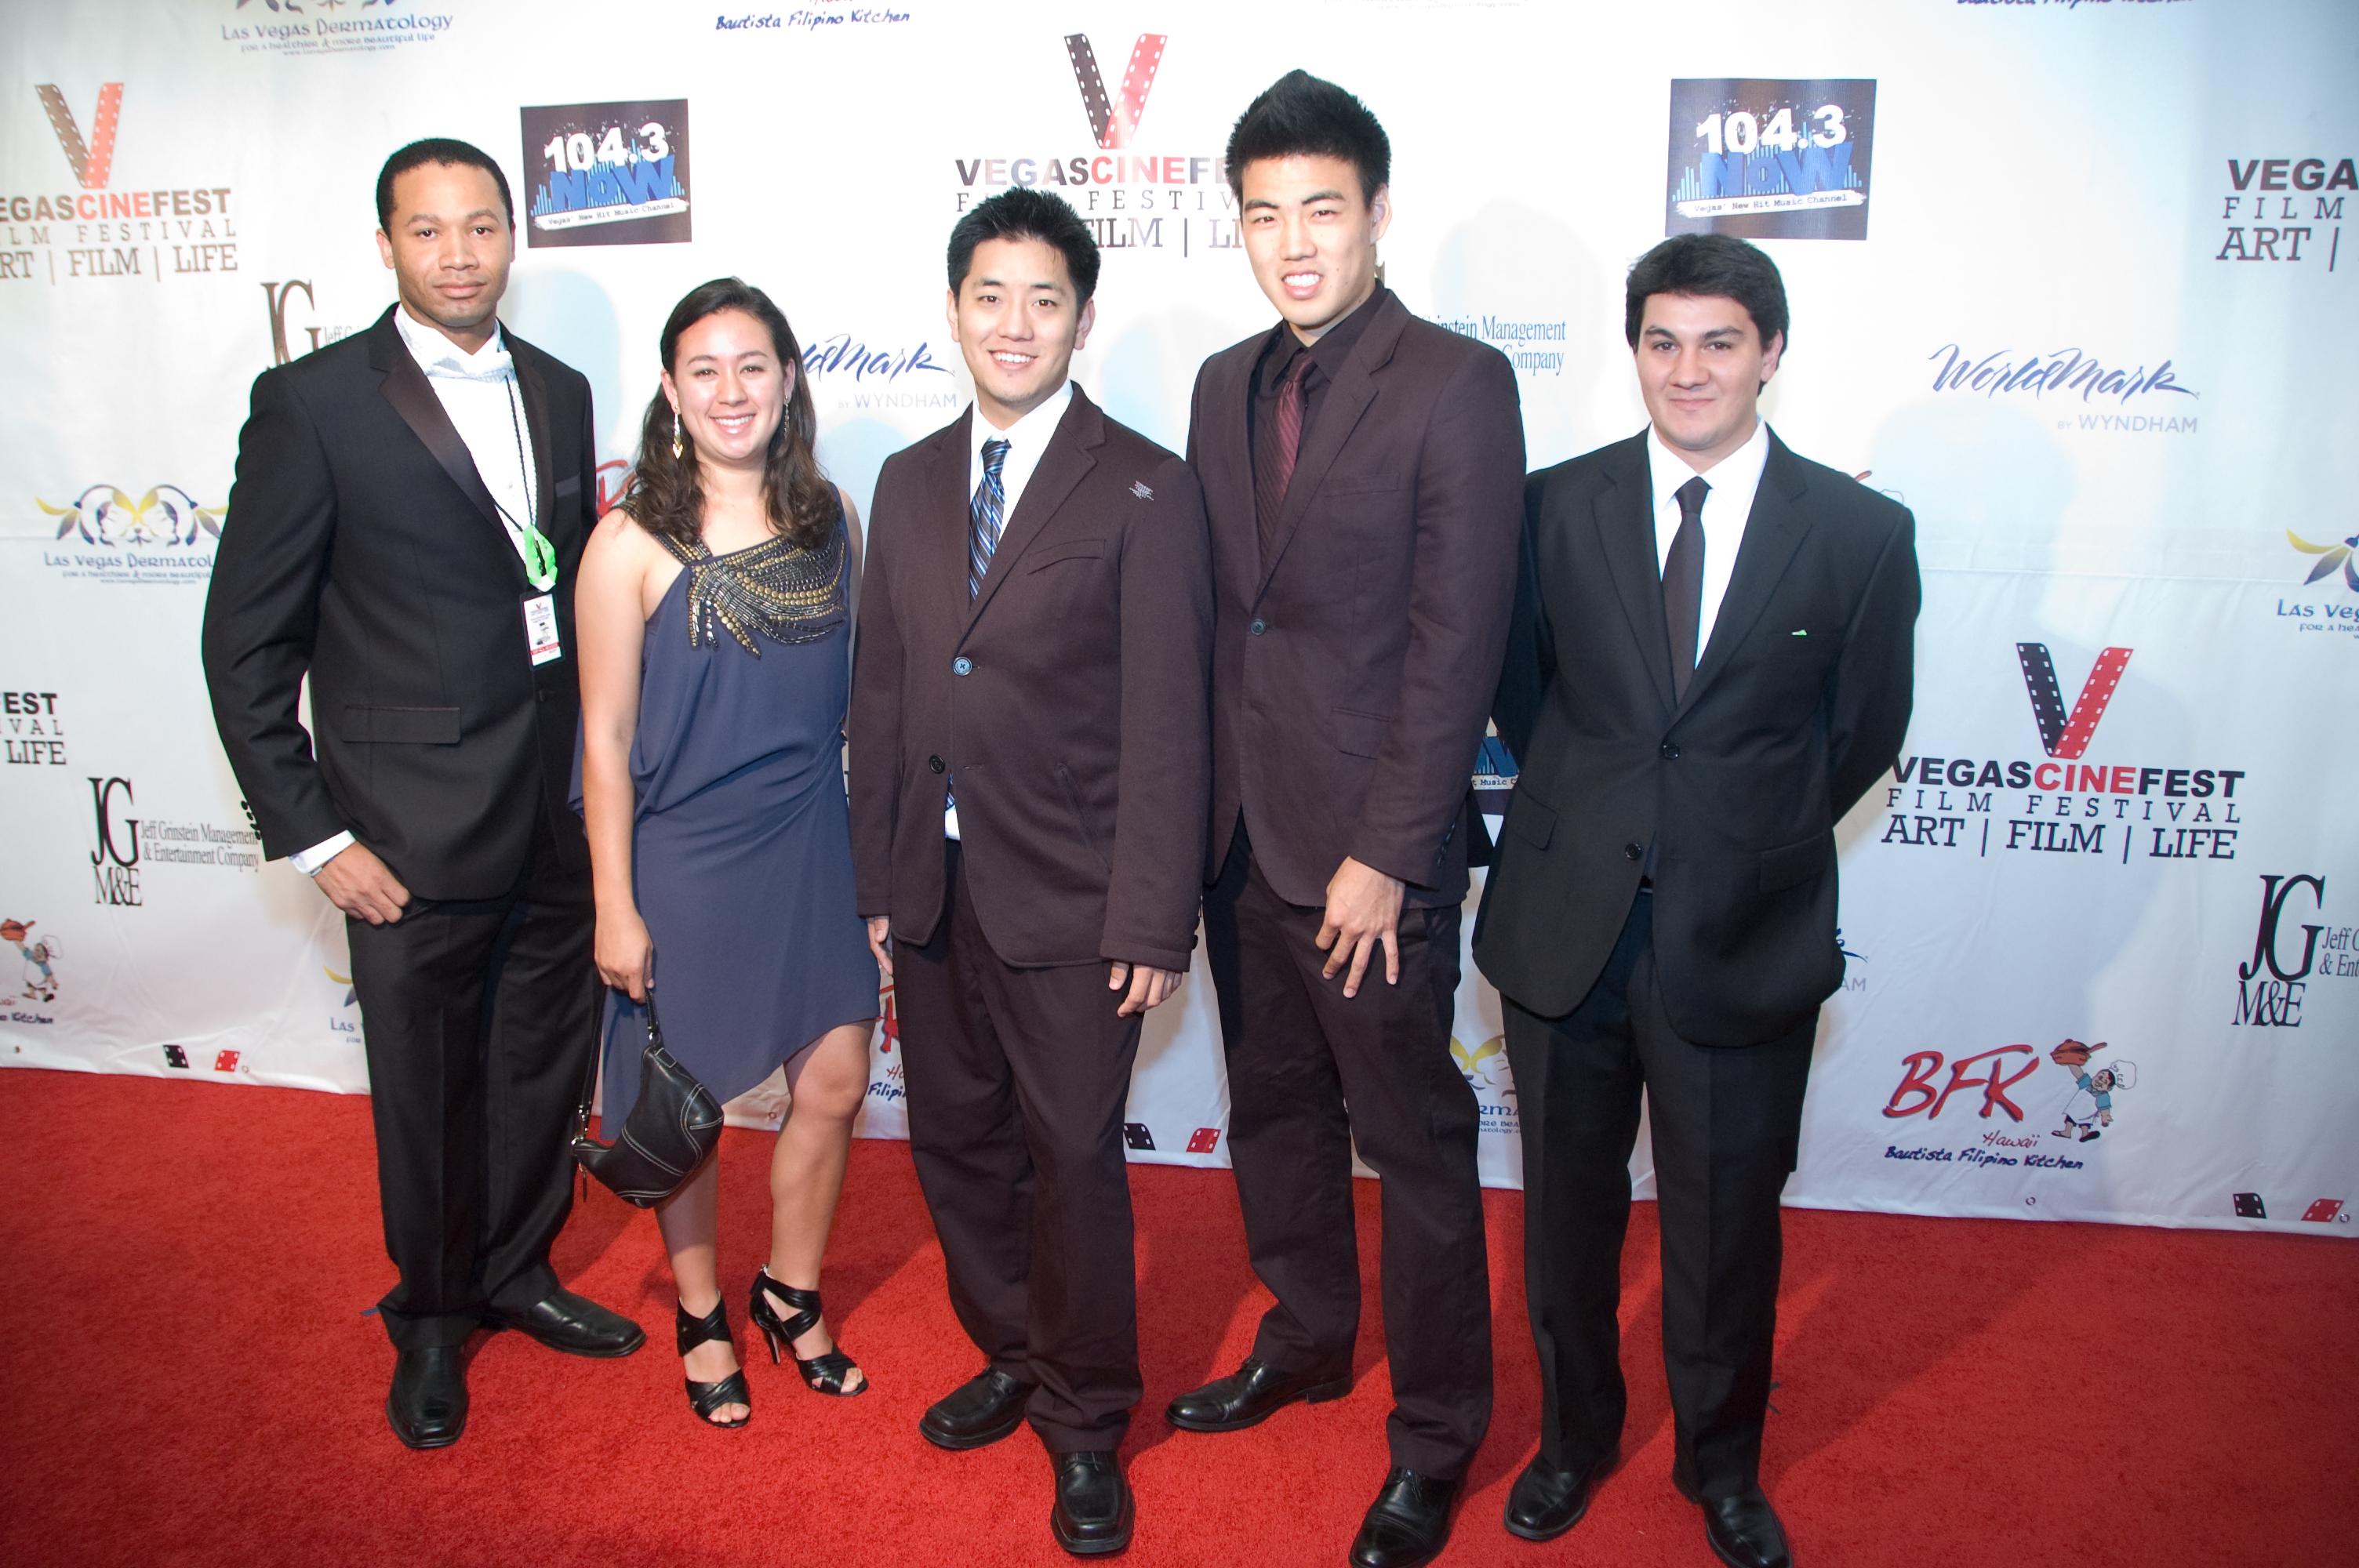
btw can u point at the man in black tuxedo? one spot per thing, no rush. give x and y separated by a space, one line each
408 509
1710 662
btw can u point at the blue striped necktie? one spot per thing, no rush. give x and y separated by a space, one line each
985 516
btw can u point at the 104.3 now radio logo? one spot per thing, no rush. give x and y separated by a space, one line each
2272 985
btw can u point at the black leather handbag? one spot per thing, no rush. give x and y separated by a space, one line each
668 1132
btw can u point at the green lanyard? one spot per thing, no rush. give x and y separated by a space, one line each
539 555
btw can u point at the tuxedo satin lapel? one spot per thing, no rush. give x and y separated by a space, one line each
412 396
535 431
1773 530
1624 516
944 535
1339 414
1063 462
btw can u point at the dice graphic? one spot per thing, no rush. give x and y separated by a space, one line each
226 1061
1136 1136
175 1056
1202 1140
2323 1210
2248 1207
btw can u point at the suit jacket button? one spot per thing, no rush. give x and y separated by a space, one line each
540 697
1259 627
935 764
1632 852
962 665
1671 751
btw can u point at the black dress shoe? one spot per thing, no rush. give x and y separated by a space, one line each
1744 1533
1544 1502
1250 1395
575 1325
1407 1524
428 1406
1092 1516
982 1409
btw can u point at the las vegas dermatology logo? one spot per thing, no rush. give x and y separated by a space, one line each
164 536
1132 200
1771 160
2272 985
1484 1069
608 174
98 232
2285 209
2067 372
2105 812
330 27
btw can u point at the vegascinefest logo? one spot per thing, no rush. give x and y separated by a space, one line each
608 174
2285 209
2103 811
99 232
1771 160
1132 198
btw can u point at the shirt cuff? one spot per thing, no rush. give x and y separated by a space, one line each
310 861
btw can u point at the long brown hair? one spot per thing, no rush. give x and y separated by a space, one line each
667 493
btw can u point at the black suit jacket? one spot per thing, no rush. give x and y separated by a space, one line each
362 548
1350 672
1799 700
1065 701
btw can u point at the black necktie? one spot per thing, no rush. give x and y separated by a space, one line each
1683 585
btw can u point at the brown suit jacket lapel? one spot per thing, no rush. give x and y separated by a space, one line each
1063 462
1339 414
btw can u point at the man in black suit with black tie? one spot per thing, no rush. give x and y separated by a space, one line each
410 506
1710 662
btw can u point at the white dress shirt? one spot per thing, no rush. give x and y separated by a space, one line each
1026 439
1727 505
479 393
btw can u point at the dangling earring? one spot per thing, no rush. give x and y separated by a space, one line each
675 435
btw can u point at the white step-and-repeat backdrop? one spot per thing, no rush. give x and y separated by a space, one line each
2067 278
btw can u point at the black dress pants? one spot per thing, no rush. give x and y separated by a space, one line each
476 1021
1725 1124
1297 1052
1017 1082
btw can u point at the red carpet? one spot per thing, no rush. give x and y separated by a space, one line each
189 1380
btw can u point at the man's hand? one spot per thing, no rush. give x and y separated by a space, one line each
1149 987
880 941
625 953
1364 908
357 883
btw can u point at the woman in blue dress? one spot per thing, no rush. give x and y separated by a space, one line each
713 611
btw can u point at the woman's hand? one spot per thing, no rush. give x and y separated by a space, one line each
880 941
625 953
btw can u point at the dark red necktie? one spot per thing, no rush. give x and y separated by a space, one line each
1683 585
1276 466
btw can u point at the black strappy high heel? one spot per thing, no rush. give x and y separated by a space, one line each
825 1374
706 1398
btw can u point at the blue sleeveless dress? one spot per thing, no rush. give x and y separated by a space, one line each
742 841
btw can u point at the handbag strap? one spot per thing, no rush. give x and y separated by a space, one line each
598 1053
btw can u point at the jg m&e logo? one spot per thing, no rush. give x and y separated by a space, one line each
2272 985
1132 198
99 232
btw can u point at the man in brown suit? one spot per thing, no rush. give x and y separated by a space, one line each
1030 761
1363 471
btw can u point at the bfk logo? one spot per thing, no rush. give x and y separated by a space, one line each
1114 122
2268 994
2067 735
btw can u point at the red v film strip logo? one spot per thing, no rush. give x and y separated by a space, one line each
2067 735
1115 123
90 161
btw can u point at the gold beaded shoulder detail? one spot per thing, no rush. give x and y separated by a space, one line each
778 589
